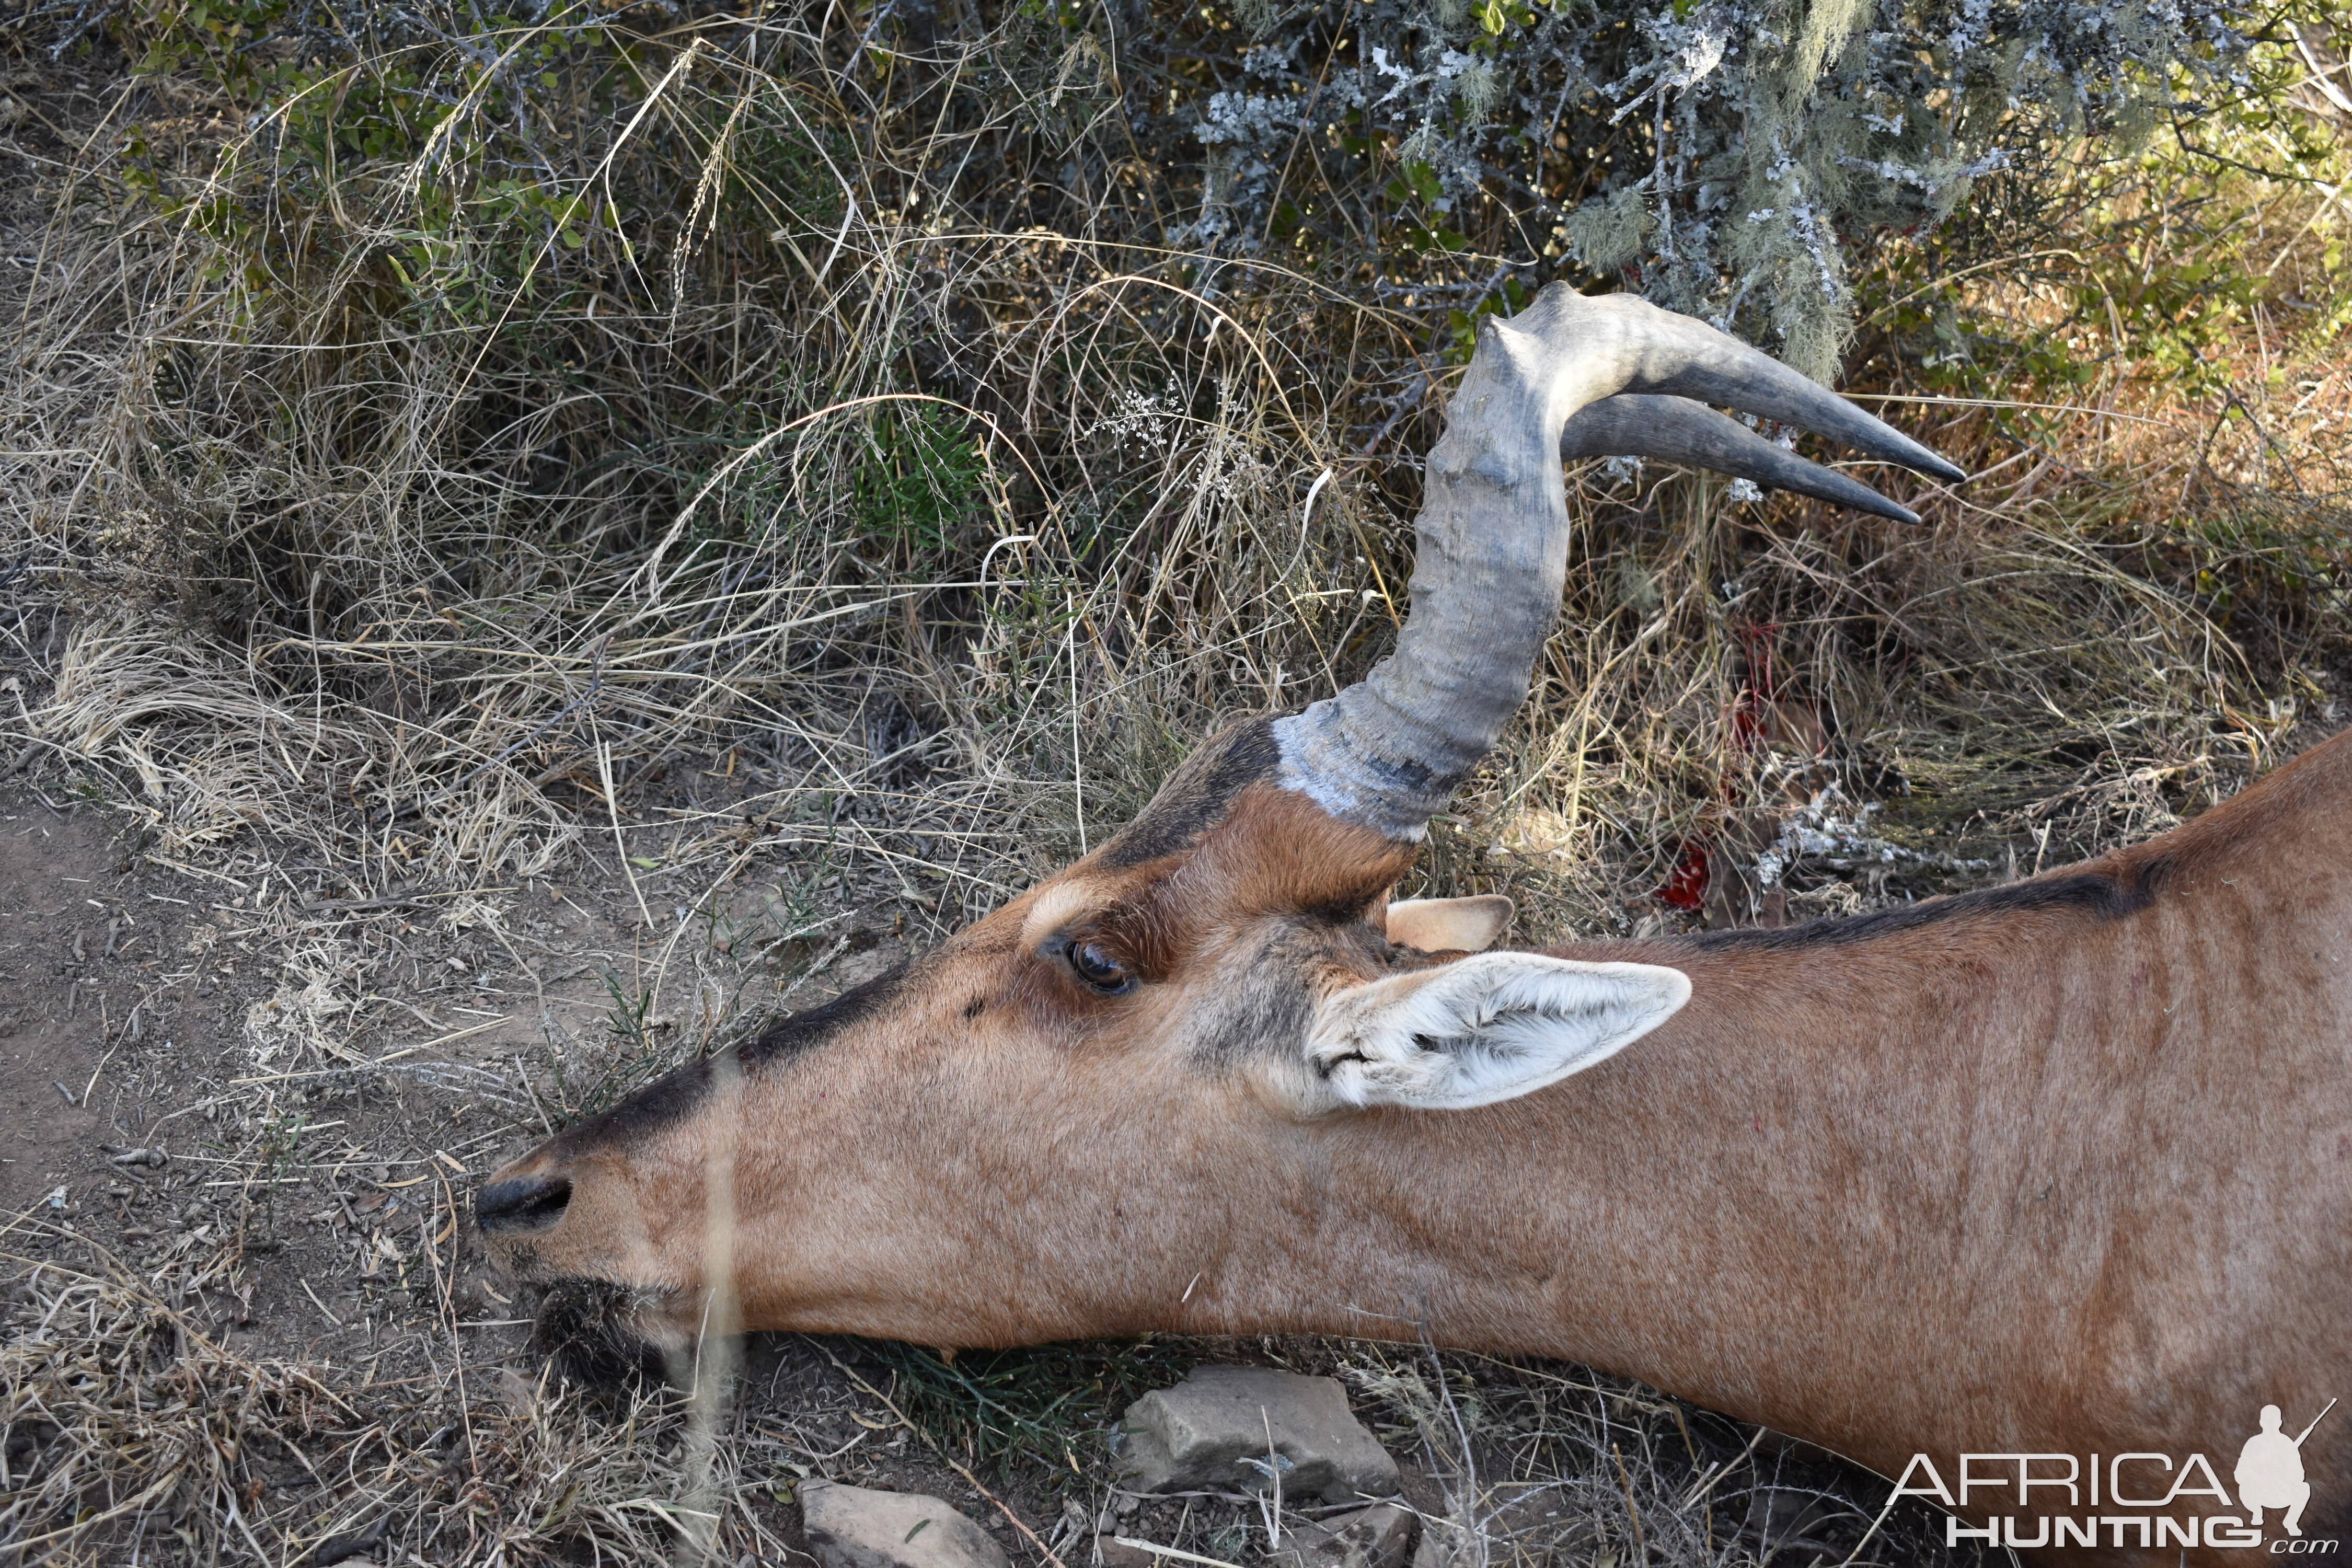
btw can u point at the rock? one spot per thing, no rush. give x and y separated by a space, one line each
1110 1553
1379 1537
1212 1431
852 1527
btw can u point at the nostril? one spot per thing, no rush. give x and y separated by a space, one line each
524 1202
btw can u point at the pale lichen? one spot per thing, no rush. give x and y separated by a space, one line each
1749 145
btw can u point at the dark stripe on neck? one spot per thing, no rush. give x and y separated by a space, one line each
2094 893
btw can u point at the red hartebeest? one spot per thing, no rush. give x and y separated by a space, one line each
2064 1168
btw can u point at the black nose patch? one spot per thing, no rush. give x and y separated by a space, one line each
526 1203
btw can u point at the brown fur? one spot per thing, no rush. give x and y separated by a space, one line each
2050 1174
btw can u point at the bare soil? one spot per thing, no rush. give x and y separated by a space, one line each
55 872
321 1079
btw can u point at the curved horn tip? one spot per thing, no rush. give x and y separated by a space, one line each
1711 349
1679 430
1915 456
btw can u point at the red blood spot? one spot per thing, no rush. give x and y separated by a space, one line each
1756 641
1687 889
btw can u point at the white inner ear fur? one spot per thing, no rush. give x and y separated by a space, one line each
1441 925
1487 1028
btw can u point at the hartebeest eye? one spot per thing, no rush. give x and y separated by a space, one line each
1098 967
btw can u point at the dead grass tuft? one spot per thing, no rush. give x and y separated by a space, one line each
133 1435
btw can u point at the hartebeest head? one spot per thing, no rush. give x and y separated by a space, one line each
1045 1126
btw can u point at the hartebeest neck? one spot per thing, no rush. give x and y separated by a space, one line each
1718 1210
1876 1170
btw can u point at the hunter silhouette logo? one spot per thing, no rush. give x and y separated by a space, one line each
2270 1471
2120 1497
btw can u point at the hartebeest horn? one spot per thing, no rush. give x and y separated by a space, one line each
1676 430
1389 751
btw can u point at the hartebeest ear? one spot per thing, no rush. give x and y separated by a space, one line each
1448 925
1487 1028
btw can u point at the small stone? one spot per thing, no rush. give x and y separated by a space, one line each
1110 1553
1215 1429
1379 1537
854 1527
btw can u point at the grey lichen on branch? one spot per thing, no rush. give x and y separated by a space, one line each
1730 159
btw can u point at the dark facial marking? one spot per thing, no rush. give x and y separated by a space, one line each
1343 911
678 1095
806 1030
1272 1004
664 1100
2101 897
1197 795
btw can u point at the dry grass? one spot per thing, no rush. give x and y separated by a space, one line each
135 1437
897 548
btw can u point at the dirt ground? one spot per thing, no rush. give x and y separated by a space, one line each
54 876
188 1050
264 1107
